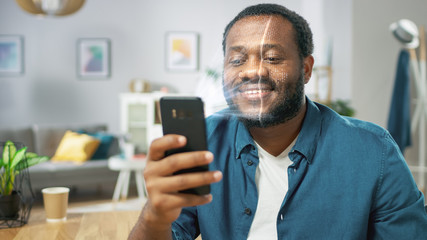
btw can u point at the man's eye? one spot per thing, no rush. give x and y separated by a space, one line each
236 61
272 59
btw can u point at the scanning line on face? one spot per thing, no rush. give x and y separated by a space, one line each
267 27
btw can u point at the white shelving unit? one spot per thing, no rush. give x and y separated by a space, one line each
139 117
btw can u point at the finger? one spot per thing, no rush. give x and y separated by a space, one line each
179 182
180 161
160 145
179 200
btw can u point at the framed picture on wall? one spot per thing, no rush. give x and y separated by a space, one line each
182 51
11 54
93 58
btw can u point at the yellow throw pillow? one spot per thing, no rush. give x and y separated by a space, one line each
76 147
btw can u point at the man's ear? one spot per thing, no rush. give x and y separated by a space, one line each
308 68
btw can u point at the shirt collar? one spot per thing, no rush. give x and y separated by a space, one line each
309 135
307 139
243 138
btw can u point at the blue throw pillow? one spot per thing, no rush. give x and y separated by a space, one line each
104 146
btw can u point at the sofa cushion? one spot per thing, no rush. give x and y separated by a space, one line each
76 147
47 137
22 135
104 146
104 149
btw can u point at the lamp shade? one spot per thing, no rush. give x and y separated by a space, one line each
71 7
29 6
51 7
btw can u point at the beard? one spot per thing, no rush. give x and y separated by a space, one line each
286 106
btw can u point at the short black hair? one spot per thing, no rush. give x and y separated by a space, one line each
304 36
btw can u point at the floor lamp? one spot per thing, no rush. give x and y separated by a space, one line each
406 32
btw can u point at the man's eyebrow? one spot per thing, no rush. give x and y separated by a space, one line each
236 48
271 46
265 46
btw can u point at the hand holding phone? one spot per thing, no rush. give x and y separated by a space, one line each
185 116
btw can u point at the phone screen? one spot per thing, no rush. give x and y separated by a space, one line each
185 116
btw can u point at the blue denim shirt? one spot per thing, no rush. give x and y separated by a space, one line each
348 180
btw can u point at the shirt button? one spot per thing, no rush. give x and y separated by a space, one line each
281 217
250 163
248 211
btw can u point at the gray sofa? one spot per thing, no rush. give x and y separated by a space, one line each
44 140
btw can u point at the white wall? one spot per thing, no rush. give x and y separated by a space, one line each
338 19
49 91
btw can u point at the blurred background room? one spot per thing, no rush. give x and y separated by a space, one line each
134 42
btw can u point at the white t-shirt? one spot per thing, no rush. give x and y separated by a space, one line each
271 178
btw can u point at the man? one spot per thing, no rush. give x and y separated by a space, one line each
282 167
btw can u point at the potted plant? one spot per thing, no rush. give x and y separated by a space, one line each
342 107
12 162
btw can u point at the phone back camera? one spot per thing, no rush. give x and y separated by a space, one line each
181 114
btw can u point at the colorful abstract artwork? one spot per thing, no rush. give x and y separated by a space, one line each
11 54
182 51
93 58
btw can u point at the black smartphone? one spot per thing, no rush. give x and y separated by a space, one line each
185 116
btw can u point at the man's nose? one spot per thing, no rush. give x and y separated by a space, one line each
254 69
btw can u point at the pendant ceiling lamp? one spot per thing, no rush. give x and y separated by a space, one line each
51 7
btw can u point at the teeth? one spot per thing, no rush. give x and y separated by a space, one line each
255 91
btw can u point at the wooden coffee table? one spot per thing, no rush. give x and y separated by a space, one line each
93 225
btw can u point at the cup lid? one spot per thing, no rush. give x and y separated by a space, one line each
53 190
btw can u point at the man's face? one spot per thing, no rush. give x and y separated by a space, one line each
263 74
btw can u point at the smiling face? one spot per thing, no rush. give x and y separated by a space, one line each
264 74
